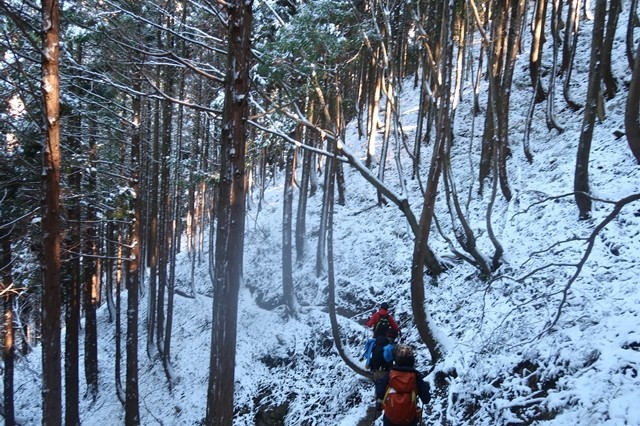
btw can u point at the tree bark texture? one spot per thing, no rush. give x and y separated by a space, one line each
230 216
51 305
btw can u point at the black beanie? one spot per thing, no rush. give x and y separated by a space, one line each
385 306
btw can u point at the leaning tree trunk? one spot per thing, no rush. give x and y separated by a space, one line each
51 305
581 177
331 301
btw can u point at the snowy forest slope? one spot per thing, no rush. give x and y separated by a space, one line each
508 368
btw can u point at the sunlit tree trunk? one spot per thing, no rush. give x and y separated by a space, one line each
51 306
8 346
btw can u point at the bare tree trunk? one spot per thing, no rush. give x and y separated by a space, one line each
375 86
556 20
322 230
109 266
230 216
611 86
301 215
164 207
569 49
91 278
51 305
70 274
537 44
152 231
632 112
631 24
117 334
581 179
287 219
570 31
132 404
331 300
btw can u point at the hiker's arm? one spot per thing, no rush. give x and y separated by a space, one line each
372 320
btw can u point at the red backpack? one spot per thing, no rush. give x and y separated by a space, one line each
399 403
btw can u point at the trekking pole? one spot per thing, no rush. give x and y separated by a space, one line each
421 423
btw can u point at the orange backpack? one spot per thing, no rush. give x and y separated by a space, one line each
399 403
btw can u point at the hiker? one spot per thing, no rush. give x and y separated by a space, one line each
383 323
397 391
378 354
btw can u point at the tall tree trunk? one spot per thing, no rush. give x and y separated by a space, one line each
8 347
51 305
375 87
230 216
117 333
287 213
301 215
153 191
91 276
581 178
70 279
132 404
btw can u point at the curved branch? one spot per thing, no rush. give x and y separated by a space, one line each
592 238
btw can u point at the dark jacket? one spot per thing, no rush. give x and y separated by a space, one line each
423 389
373 321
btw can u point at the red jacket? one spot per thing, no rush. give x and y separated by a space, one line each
373 321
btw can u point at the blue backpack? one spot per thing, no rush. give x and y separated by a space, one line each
378 354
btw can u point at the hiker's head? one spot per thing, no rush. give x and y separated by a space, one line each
404 356
384 306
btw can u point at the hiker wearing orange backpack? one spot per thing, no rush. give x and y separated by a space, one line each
397 392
